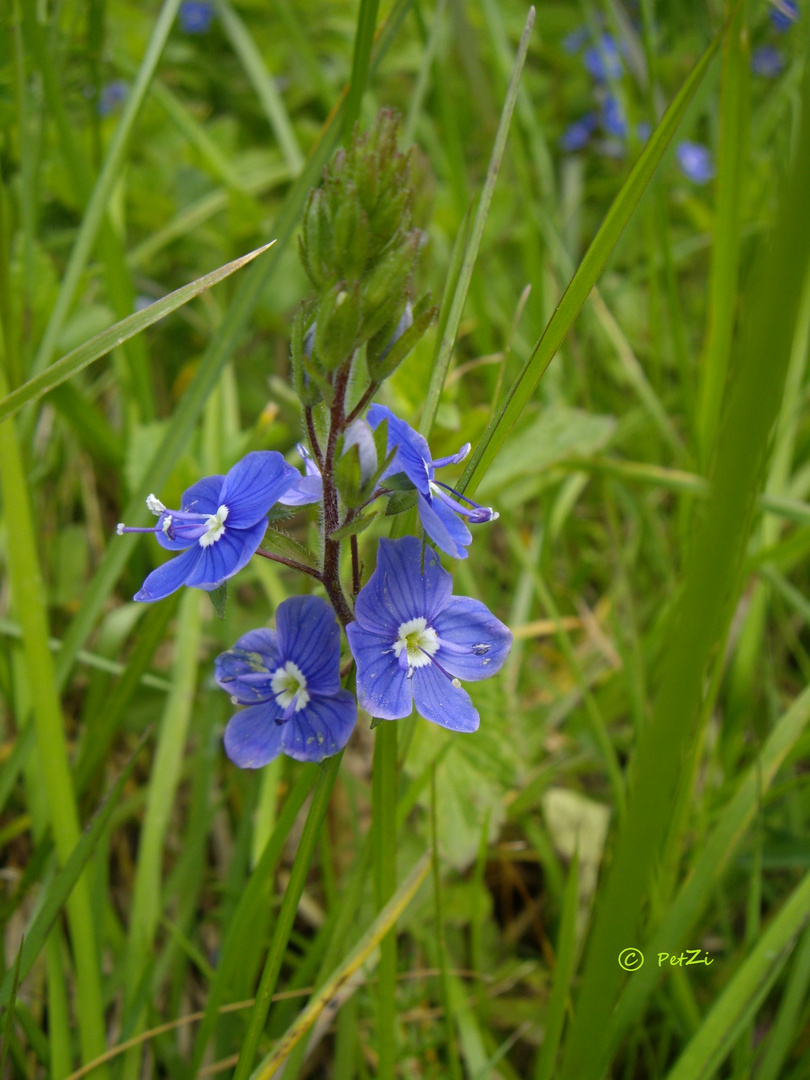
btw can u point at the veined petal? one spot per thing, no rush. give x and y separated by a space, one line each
226 556
322 728
383 688
165 540
473 644
170 576
252 737
438 700
254 484
307 489
245 671
444 527
413 453
203 497
309 635
397 591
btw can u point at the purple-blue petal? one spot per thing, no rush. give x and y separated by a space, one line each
397 591
383 688
254 484
444 527
413 453
474 644
252 737
245 671
226 556
309 635
438 700
321 729
204 496
306 490
170 576
166 541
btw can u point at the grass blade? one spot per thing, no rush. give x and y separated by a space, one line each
97 206
703 609
64 883
286 915
563 974
109 339
737 1003
585 278
448 335
352 964
262 82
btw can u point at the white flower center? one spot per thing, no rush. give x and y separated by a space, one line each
288 683
419 640
215 526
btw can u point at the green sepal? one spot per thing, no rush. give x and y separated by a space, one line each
399 482
323 385
380 433
306 388
351 236
400 502
276 542
353 528
219 598
380 369
376 721
339 320
348 479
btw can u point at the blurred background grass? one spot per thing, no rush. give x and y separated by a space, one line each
140 151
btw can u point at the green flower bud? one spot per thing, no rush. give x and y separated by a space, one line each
338 325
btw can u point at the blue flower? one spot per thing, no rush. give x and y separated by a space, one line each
695 161
784 13
112 96
196 16
307 488
576 135
221 524
574 41
767 61
413 642
603 60
613 121
440 513
290 680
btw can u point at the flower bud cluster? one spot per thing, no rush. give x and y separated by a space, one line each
359 249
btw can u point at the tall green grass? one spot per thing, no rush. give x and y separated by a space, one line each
637 417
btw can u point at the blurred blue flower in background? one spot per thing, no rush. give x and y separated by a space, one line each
290 680
613 121
196 16
112 97
574 41
603 60
413 642
767 60
643 130
695 161
784 14
576 135
221 524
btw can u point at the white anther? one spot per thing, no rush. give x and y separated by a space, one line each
155 505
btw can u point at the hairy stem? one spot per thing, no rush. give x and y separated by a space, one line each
330 575
313 438
368 394
291 563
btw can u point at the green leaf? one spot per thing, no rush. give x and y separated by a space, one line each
279 543
400 502
219 598
353 528
109 339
